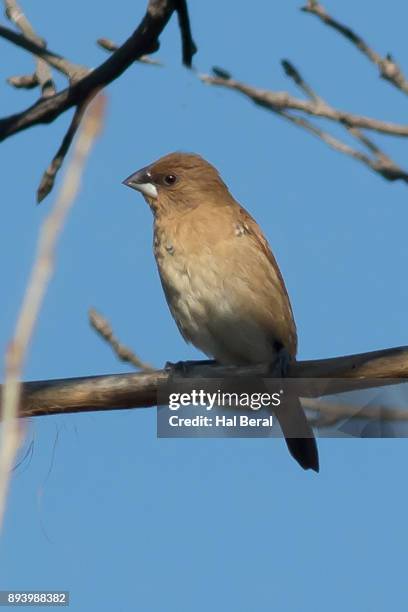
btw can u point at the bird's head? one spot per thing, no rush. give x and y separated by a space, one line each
177 182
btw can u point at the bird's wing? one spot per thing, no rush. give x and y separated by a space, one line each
257 236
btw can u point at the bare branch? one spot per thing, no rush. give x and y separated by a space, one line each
72 71
389 171
388 68
294 74
48 178
25 81
381 163
188 45
42 73
109 45
37 285
140 390
281 103
84 84
143 41
104 329
282 100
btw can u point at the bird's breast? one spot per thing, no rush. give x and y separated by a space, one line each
192 284
220 297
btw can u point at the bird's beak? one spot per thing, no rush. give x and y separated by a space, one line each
142 181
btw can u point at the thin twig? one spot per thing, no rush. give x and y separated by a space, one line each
389 172
189 47
388 68
104 329
24 81
108 45
36 288
43 73
84 84
381 163
48 178
292 72
281 103
73 71
143 41
282 100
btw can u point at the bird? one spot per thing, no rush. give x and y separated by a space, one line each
222 283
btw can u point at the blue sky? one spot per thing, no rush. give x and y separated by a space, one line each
104 509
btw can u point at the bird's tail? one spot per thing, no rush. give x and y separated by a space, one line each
298 434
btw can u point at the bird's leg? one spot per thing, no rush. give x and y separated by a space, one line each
183 368
280 367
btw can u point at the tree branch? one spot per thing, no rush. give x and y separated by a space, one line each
140 390
67 68
24 81
48 178
388 68
380 162
282 103
144 40
104 329
295 75
282 100
84 84
109 45
189 47
42 75
36 288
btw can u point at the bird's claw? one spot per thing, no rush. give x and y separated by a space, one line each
176 368
185 369
280 367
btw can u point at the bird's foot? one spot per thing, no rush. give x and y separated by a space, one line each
280 367
185 369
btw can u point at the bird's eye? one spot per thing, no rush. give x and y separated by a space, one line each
170 179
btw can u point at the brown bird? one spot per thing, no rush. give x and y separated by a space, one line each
222 283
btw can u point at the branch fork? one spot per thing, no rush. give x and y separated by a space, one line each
83 82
